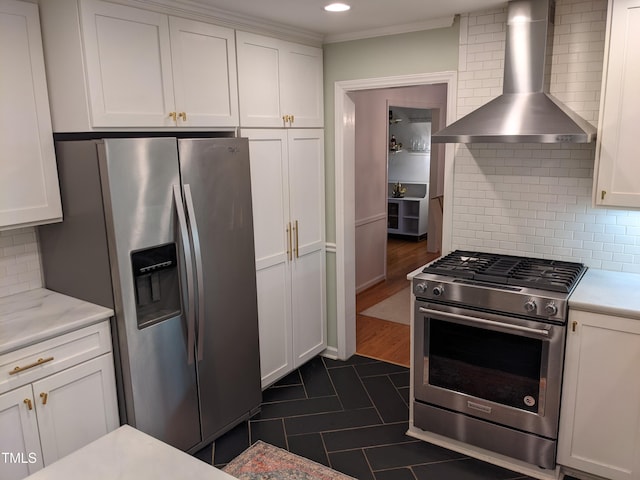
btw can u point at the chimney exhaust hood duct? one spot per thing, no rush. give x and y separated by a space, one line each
525 112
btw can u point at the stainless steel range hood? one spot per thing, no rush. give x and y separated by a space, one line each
525 112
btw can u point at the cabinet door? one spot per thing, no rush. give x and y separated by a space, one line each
259 60
128 61
600 415
306 186
204 73
270 194
618 169
29 192
19 441
76 407
302 85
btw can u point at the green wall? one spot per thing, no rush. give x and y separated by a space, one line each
428 51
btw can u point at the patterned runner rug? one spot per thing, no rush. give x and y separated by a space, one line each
262 461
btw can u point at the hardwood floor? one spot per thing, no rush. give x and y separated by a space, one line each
381 339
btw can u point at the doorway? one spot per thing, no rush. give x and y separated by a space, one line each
392 195
345 192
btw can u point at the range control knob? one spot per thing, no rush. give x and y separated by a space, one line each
530 306
421 288
438 290
550 309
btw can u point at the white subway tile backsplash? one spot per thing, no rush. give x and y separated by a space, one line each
19 261
536 199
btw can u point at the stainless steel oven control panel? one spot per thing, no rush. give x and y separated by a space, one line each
526 302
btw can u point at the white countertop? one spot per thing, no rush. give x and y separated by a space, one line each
36 315
128 454
606 292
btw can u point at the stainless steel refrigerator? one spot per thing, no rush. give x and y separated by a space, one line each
161 230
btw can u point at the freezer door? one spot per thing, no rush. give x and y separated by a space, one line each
217 185
160 386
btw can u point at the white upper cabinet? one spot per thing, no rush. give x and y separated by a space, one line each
29 192
115 66
128 61
617 179
280 83
204 73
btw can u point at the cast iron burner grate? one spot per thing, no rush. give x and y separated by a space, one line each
538 273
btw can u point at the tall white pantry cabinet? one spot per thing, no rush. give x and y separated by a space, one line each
280 89
287 183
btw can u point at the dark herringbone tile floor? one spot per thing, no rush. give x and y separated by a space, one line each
351 416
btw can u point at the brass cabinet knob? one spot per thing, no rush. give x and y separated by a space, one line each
28 403
173 116
44 396
183 116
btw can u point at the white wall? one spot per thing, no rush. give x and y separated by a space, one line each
536 199
19 261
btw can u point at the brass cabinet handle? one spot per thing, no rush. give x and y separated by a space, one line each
285 118
604 192
574 325
44 396
27 402
296 230
291 119
173 116
289 247
183 116
40 361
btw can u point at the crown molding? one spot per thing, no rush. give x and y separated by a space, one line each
442 22
199 11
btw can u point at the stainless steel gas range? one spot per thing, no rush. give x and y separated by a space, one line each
489 348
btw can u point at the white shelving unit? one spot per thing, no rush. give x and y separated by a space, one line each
408 215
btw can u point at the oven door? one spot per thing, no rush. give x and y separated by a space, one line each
497 368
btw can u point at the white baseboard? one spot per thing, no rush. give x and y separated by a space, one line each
369 283
330 352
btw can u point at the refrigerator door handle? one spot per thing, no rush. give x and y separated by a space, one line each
184 237
195 238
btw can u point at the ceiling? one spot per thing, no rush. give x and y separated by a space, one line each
367 18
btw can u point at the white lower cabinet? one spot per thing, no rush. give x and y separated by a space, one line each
600 414
287 181
19 435
55 413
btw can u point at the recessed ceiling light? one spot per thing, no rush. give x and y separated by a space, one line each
337 7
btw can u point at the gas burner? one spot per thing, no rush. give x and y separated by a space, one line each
551 275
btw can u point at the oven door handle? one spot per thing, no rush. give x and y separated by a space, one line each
482 321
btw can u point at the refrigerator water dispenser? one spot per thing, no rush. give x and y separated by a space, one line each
157 284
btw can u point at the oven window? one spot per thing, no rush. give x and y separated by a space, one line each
495 366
